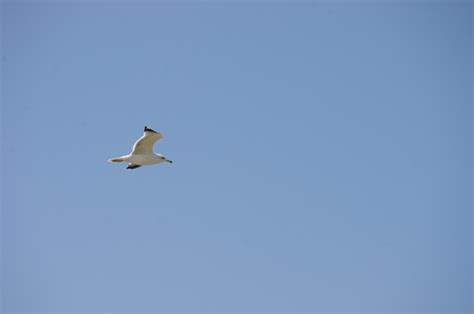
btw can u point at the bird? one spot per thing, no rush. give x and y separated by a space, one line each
142 152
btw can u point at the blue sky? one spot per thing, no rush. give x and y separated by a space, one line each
322 156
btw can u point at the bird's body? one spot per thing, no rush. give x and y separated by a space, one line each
141 160
142 152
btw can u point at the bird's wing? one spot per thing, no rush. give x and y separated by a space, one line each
144 145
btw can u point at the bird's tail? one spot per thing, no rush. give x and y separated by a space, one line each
120 159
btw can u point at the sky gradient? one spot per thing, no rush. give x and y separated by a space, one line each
322 156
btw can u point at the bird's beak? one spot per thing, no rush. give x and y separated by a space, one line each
170 161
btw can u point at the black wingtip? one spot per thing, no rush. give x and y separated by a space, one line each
131 166
147 129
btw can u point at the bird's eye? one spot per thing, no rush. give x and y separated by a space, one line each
162 157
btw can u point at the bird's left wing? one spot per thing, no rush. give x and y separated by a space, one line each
144 145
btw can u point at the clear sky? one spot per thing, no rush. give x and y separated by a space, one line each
322 156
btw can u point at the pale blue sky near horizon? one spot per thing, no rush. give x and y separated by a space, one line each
322 156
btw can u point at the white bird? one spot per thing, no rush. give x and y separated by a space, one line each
142 152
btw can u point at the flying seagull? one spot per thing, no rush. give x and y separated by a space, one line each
142 152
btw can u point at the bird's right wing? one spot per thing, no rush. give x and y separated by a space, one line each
144 145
